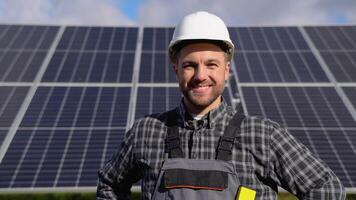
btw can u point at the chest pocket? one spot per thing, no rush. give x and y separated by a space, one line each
196 179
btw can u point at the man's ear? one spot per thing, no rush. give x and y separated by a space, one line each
175 68
227 71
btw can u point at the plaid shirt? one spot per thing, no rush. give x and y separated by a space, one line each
265 156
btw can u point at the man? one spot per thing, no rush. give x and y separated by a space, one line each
203 149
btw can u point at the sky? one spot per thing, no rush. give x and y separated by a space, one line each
168 12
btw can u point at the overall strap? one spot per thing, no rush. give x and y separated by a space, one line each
226 142
173 146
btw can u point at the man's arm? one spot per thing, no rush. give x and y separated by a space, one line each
115 179
296 169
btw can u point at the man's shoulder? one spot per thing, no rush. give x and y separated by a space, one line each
260 124
155 119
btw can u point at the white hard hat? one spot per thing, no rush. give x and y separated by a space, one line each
201 26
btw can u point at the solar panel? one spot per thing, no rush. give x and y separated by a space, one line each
78 107
93 54
337 46
22 51
273 54
299 106
96 81
57 157
155 65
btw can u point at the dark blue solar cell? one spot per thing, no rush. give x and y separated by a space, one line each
6 60
161 68
271 38
120 35
246 41
329 40
161 39
93 157
21 37
350 33
146 68
147 42
106 38
92 39
285 39
52 159
12 157
351 94
49 114
11 99
131 39
83 67
258 38
242 67
342 38
9 36
114 66
72 159
98 67
70 107
78 38
126 68
86 111
30 163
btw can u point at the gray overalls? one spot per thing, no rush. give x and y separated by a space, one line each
181 178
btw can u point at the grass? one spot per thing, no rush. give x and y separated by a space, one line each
91 196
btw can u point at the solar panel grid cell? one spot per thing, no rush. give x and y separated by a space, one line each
155 65
277 54
311 107
337 47
93 54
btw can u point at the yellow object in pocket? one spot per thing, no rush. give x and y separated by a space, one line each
245 193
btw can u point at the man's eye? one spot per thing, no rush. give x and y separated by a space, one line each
212 65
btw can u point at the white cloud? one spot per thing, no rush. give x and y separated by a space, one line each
251 12
76 12
168 13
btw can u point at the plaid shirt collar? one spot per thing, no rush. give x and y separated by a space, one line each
208 121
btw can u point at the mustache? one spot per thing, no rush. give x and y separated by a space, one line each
197 83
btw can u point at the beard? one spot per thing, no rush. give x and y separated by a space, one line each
202 100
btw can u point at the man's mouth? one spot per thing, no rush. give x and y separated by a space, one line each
200 88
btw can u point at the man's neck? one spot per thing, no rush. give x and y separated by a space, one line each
196 110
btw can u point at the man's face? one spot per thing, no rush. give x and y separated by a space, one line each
201 70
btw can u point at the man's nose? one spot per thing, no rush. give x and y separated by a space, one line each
200 73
